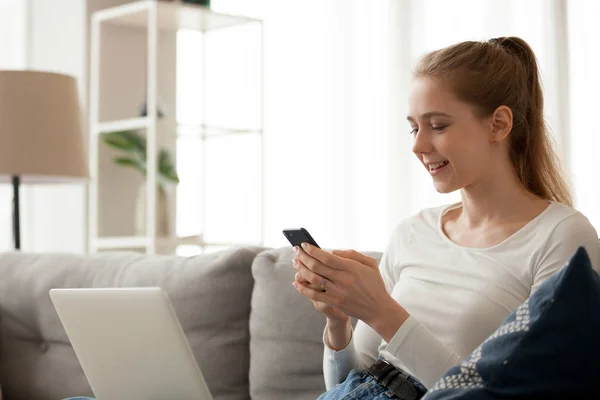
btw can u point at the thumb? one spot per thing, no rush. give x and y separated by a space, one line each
356 256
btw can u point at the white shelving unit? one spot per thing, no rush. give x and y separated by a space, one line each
122 125
153 18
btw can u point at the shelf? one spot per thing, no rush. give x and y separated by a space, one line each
197 130
138 242
171 15
210 131
122 125
140 36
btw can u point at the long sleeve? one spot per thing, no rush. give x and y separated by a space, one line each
362 350
338 364
421 352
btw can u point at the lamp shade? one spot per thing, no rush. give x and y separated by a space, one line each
41 139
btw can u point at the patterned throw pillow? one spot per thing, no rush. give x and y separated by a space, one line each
549 348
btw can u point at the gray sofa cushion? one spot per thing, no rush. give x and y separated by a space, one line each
286 332
210 293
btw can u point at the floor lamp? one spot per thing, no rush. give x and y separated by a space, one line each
41 140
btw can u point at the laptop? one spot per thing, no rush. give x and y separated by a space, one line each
130 344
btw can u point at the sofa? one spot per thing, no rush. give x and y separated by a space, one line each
252 334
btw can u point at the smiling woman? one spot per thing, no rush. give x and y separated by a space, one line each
452 274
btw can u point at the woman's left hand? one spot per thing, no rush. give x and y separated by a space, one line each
352 284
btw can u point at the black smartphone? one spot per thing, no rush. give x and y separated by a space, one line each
298 236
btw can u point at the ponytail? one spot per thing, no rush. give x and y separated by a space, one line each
532 152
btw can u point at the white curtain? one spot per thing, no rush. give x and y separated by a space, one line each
326 124
583 103
338 151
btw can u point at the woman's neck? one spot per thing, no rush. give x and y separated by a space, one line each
500 198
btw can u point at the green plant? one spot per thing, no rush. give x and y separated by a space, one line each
135 144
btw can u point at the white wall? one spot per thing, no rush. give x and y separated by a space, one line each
54 217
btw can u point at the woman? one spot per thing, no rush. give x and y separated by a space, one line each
451 275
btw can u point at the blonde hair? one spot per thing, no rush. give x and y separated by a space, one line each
504 71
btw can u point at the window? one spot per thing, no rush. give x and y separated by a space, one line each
325 127
333 163
219 194
584 84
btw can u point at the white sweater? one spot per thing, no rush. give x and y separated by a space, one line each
458 296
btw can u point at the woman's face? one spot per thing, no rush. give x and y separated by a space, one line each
451 142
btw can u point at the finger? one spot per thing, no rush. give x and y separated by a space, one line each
356 256
315 266
313 294
308 274
323 256
300 279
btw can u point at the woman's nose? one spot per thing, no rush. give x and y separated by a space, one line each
421 143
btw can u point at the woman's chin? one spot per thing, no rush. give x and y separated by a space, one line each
445 187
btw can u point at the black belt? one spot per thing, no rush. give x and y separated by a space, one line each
395 380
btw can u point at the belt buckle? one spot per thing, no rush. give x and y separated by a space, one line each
399 384
376 370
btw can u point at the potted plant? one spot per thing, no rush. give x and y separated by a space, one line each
134 145
205 3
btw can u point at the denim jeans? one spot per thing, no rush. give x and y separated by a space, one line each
358 386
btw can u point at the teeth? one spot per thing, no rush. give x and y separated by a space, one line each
433 167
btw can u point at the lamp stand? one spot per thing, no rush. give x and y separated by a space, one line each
16 181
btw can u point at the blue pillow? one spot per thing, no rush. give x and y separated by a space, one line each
548 348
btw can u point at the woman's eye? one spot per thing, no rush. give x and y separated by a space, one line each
414 131
439 127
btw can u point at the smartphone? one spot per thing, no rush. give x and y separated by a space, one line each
298 236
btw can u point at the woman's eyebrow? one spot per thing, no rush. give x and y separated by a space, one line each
430 114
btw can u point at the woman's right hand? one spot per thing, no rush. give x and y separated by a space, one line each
339 329
339 326
333 314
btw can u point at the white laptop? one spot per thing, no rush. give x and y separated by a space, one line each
130 344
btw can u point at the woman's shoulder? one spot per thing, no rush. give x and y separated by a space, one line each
565 230
558 226
559 216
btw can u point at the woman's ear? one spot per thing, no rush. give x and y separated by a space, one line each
502 123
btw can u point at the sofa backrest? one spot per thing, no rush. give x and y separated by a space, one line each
286 332
211 295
